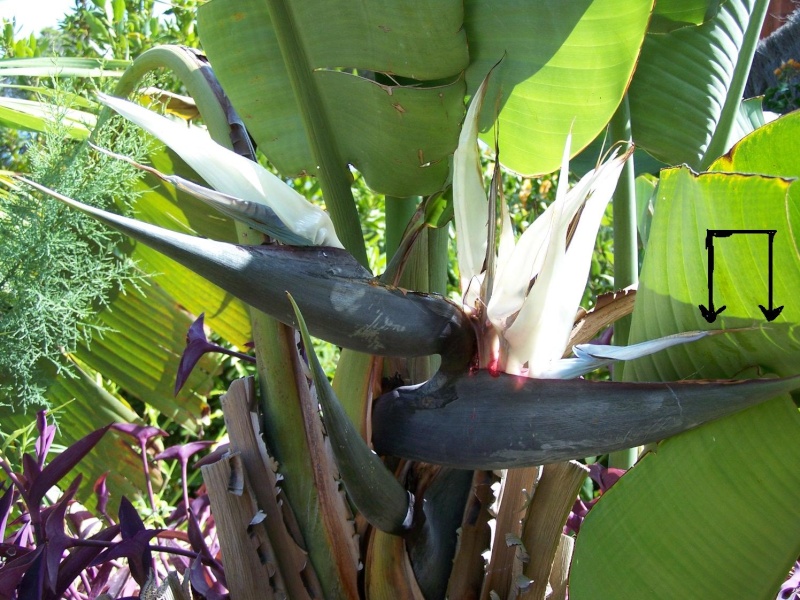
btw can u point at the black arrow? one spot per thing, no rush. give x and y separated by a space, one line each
710 314
770 313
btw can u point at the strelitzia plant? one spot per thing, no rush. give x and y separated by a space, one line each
493 404
565 62
526 330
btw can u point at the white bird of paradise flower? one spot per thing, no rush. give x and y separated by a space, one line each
526 293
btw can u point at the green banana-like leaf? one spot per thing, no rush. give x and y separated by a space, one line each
565 65
675 275
370 485
142 351
342 303
384 83
701 70
709 514
480 421
669 15
724 526
62 67
770 150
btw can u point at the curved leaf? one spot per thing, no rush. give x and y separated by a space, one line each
720 492
698 74
564 65
397 134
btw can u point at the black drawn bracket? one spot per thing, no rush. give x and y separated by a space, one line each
710 313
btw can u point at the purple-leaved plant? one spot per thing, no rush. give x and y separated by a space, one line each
50 551
790 590
604 477
197 344
183 452
143 434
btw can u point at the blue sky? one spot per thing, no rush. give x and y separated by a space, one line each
33 15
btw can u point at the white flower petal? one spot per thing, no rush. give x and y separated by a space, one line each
589 357
470 204
232 174
541 330
518 268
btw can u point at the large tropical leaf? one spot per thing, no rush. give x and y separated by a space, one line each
711 514
383 80
770 150
675 276
674 14
564 65
724 527
142 351
696 75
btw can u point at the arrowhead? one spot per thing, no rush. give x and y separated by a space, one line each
770 313
711 315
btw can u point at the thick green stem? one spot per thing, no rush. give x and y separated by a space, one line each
274 343
334 178
721 140
282 426
626 250
425 270
398 213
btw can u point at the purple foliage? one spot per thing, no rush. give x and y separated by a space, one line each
142 433
101 493
183 452
604 478
790 590
197 344
52 551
